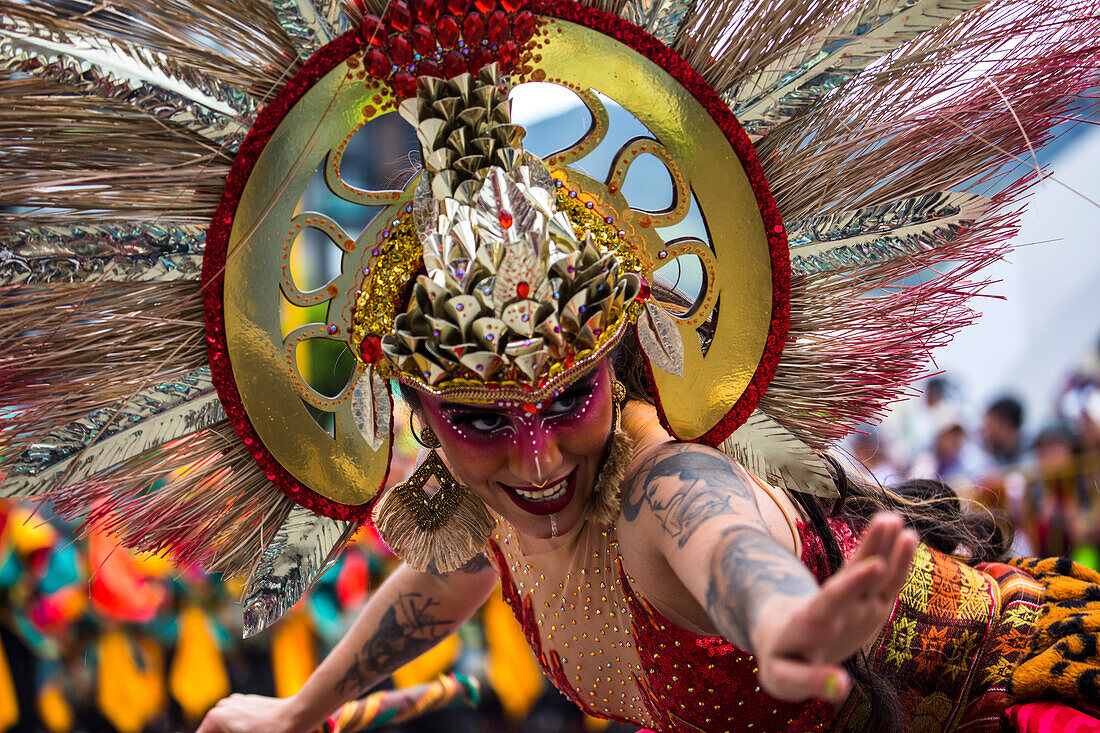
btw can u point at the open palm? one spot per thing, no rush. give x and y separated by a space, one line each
799 646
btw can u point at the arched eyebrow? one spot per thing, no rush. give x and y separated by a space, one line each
470 408
582 382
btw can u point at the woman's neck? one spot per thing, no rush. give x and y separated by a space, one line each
531 546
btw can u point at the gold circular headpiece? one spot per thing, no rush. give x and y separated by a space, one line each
395 302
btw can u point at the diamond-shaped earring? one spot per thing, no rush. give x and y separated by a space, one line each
430 510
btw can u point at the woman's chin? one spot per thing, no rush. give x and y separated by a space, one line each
550 526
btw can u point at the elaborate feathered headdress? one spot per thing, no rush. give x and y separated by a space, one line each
157 170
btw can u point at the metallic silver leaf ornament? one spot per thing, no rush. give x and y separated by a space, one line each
660 339
301 549
80 252
790 86
310 24
372 408
151 82
659 18
150 418
770 451
880 233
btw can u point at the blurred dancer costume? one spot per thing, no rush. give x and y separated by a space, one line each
829 151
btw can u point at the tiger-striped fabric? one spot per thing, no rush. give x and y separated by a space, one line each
1063 659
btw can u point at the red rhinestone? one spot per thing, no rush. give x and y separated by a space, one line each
372 30
429 67
529 407
447 32
371 349
377 64
427 11
507 53
423 40
506 222
523 290
398 16
497 27
523 26
485 6
458 7
473 29
399 50
454 64
511 5
643 293
480 57
404 84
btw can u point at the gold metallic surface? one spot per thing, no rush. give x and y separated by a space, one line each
585 59
343 469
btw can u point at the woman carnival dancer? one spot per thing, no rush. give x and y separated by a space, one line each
647 474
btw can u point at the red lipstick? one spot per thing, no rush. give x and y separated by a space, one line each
544 507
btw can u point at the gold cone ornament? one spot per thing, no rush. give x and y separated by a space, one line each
512 298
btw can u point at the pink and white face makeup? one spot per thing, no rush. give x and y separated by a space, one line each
535 465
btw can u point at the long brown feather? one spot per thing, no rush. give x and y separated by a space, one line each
201 499
69 349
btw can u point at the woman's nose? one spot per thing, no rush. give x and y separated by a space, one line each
536 456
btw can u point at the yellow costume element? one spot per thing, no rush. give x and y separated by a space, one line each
9 705
293 653
54 710
513 672
131 681
198 678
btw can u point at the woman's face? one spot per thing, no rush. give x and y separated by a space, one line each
534 466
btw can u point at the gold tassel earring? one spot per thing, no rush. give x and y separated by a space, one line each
442 530
607 496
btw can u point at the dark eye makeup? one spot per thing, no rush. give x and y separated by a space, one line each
490 421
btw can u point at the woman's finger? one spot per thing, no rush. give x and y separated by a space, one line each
852 583
795 681
878 536
901 560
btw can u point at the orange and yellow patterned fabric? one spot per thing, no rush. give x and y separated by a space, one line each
956 635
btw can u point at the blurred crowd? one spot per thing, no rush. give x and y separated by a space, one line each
1040 472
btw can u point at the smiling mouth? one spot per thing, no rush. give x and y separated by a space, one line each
542 501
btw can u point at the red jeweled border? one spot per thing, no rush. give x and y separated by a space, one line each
213 278
334 53
679 69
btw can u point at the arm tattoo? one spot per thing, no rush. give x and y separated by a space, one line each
748 568
407 629
686 488
472 567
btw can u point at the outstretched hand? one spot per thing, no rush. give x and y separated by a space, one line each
251 714
800 645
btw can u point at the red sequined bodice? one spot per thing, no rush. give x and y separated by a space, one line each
678 681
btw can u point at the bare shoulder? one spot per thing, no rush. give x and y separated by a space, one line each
676 488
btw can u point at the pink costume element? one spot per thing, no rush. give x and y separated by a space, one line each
1051 717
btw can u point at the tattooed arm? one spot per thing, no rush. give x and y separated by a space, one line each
409 614
702 518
